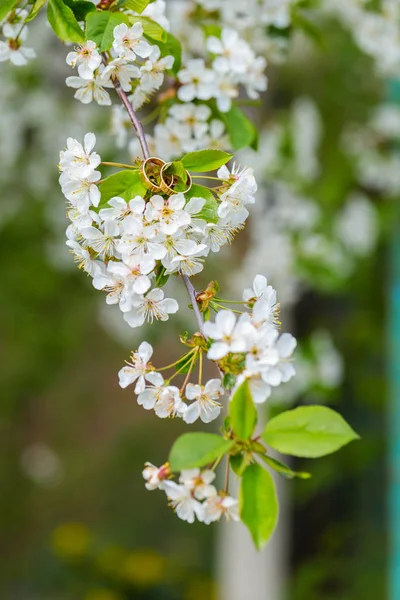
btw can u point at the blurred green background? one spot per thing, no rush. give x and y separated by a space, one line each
76 520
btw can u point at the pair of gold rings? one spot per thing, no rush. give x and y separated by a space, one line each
153 174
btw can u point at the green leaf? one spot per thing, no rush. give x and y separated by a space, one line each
63 22
197 450
308 431
151 29
35 10
209 212
80 8
243 413
161 277
125 184
229 381
242 131
100 27
6 6
258 504
282 468
172 47
205 160
137 6
239 462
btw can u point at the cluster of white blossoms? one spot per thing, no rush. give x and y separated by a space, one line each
257 12
136 66
194 497
188 127
234 64
250 346
124 244
376 32
15 33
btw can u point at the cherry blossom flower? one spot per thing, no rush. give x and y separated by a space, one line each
170 403
216 506
197 81
199 482
138 369
88 90
86 58
185 506
155 476
228 334
128 42
150 307
120 70
79 161
14 50
205 405
169 213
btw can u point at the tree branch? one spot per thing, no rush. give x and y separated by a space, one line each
146 153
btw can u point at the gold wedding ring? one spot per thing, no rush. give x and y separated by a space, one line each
169 181
150 172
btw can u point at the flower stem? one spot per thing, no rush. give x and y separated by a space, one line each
132 115
192 295
190 370
116 164
226 487
200 367
207 177
177 361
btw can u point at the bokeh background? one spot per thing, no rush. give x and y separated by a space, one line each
76 521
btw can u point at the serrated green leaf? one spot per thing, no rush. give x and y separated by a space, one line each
308 431
197 450
151 29
6 6
209 212
243 413
63 22
100 27
137 6
80 8
205 160
242 131
35 10
172 47
123 183
280 467
258 504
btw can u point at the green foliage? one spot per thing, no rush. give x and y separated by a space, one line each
242 131
243 413
100 27
168 43
205 160
280 467
64 22
6 6
258 504
80 8
209 212
239 462
136 5
229 381
151 29
308 431
161 277
125 184
35 10
186 362
197 450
